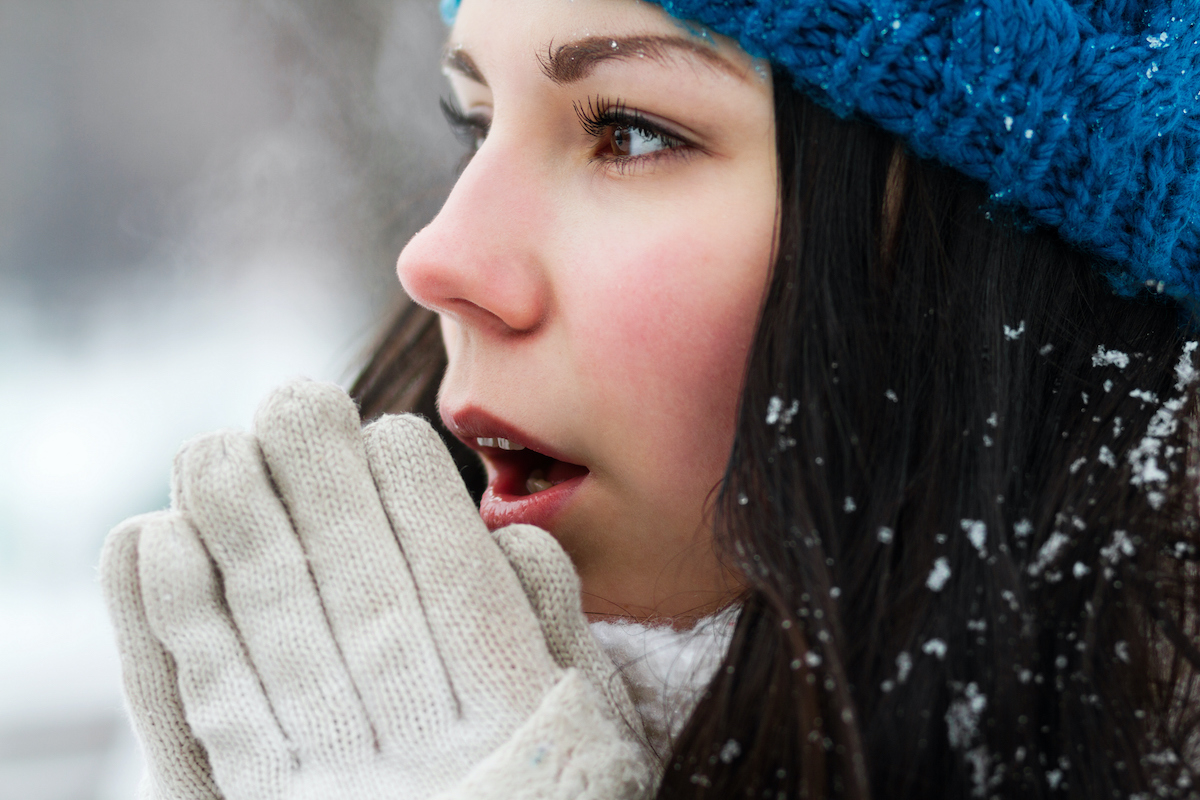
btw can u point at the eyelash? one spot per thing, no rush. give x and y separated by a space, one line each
602 116
598 118
470 129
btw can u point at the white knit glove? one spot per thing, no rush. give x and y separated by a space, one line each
322 614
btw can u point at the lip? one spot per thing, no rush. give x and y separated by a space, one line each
501 504
540 509
471 423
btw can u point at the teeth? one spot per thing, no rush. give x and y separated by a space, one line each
536 482
503 444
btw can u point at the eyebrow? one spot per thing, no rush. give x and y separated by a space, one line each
574 61
460 61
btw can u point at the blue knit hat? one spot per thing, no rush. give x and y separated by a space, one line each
1086 115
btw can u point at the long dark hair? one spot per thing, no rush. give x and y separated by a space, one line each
961 494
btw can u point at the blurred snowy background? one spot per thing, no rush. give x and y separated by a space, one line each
198 200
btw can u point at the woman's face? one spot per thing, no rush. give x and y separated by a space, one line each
598 271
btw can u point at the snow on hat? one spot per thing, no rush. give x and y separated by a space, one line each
1085 115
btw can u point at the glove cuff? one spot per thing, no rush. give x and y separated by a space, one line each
570 749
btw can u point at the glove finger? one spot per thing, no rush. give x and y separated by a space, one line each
552 587
226 493
176 763
313 445
220 690
477 611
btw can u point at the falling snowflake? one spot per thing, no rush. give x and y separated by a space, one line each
935 648
1049 552
976 532
938 575
1184 371
774 406
1110 358
962 718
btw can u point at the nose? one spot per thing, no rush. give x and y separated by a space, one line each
479 261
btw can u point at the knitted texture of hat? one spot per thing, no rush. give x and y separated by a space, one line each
1084 115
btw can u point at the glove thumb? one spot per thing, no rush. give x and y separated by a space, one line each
552 587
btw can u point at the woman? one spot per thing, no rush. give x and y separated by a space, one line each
731 349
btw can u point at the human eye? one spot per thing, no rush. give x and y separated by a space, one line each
624 136
470 129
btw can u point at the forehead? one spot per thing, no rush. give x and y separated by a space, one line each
568 39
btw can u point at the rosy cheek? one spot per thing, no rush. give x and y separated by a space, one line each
667 335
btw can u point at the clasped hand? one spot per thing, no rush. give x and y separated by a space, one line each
322 614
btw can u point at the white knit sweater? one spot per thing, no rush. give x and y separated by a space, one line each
667 670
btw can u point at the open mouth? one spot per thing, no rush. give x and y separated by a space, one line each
522 471
529 481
